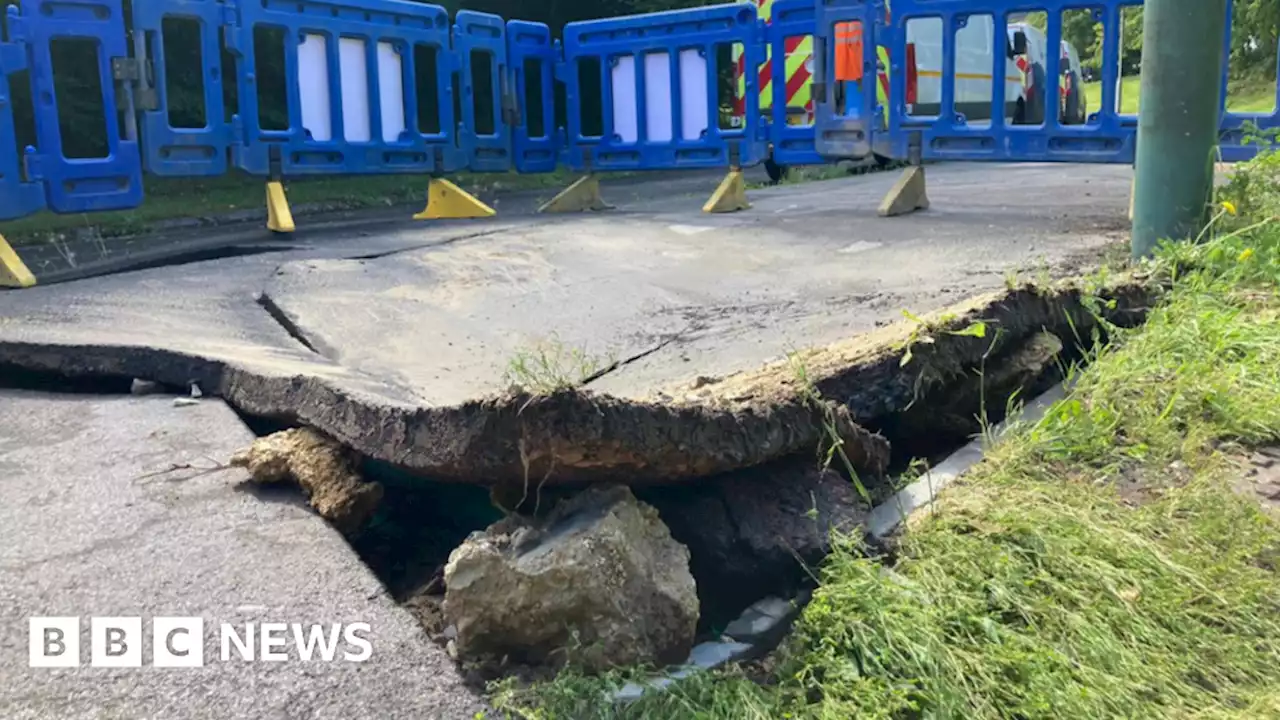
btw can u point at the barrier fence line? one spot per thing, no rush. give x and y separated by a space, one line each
1016 120
325 87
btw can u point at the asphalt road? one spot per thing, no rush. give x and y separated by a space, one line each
116 506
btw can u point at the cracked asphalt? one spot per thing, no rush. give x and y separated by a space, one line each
435 313
364 327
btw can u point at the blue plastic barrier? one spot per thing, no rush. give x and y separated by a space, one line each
479 40
1106 137
659 84
793 144
844 129
17 196
535 139
180 151
73 185
394 86
341 54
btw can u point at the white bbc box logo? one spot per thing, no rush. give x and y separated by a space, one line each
54 642
116 642
177 642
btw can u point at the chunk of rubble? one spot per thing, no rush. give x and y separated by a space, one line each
600 581
323 468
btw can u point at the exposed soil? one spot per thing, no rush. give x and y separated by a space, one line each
1262 477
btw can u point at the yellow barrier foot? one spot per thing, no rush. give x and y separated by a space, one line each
581 196
731 196
448 201
13 272
907 195
279 217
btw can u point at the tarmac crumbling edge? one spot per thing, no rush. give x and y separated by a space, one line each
574 436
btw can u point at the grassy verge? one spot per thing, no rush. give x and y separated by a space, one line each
1099 563
169 198
1253 96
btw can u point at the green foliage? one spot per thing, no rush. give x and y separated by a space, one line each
552 366
1254 187
1255 38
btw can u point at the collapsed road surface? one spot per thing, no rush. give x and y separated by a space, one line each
402 343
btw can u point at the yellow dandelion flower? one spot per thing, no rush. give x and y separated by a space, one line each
1245 254
1229 206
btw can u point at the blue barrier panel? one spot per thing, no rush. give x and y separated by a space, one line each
659 89
845 113
180 151
793 142
352 82
95 28
479 39
17 196
534 137
1106 137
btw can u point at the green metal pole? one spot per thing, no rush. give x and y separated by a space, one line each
1178 119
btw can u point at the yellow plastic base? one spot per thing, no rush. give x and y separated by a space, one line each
731 196
279 217
907 195
448 201
13 272
581 196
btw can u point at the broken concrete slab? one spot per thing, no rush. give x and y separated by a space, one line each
123 506
669 294
600 583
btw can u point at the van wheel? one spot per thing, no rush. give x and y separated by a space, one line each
1034 111
1073 113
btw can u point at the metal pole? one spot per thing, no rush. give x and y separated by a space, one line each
1178 119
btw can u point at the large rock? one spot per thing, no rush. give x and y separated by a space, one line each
600 580
758 532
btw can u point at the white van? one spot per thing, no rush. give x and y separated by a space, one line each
1024 46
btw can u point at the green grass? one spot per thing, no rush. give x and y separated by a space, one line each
169 198
1097 564
1255 96
550 366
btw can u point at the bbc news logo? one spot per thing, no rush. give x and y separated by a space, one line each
179 642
